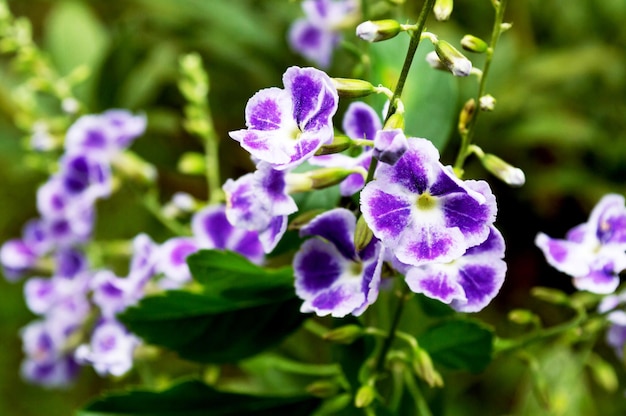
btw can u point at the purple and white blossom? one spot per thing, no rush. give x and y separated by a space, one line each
287 126
593 253
173 260
389 145
105 134
260 202
468 283
331 277
317 34
422 212
110 350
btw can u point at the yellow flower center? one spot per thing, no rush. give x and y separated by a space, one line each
426 201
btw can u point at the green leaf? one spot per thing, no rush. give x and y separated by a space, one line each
193 398
459 344
430 96
242 310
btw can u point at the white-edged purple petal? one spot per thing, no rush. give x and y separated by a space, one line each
58 373
173 259
40 294
336 226
312 42
125 126
110 350
85 175
113 294
69 262
270 236
469 283
144 259
16 258
389 145
361 121
608 220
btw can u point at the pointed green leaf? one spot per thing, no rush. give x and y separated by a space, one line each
193 398
459 344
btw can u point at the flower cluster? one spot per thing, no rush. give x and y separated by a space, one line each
429 225
317 34
592 253
66 204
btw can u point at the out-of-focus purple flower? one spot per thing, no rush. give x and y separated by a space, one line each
110 350
331 277
113 294
259 202
592 252
316 36
422 212
104 134
468 283
172 261
616 334
85 176
16 258
390 145
144 259
212 230
46 361
58 295
360 121
287 126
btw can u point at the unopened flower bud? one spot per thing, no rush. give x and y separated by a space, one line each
502 170
325 177
424 368
603 373
134 167
375 31
364 396
523 317
550 295
339 144
487 102
505 26
433 60
303 219
396 121
454 60
473 44
466 115
323 388
344 335
362 234
352 88
191 163
443 9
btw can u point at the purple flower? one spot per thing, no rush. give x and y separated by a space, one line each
105 134
212 230
360 121
422 212
260 202
468 283
286 127
110 350
389 145
592 252
16 257
46 360
144 259
331 277
173 260
316 36
616 334
85 175
113 294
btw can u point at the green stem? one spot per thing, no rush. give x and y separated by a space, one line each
420 403
391 335
468 135
216 195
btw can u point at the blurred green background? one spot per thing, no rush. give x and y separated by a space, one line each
559 78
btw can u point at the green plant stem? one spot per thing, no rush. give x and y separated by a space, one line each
216 195
382 355
420 403
468 135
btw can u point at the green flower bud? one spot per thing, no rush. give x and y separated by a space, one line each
473 44
323 388
303 219
344 335
396 121
500 169
550 295
325 177
466 115
192 163
424 368
454 60
339 144
364 396
362 234
134 167
443 9
523 317
603 373
352 88
375 31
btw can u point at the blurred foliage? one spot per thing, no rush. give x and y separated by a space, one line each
559 78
